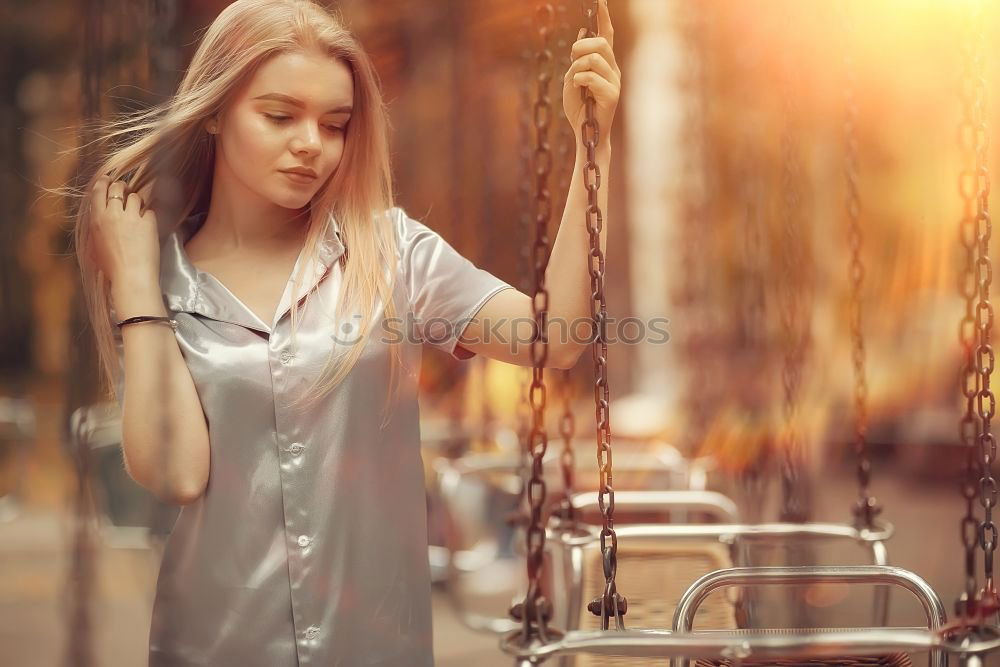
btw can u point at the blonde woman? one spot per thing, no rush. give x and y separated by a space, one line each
263 332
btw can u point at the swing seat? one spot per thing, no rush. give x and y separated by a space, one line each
653 463
700 591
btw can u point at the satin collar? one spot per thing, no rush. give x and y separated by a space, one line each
189 289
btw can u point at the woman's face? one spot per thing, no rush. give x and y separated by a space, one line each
291 115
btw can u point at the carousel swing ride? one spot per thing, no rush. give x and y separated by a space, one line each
576 590
561 541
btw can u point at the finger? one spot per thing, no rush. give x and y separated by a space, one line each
593 62
116 189
582 47
605 29
99 194
133 203
602 89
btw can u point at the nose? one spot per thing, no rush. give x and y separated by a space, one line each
306 139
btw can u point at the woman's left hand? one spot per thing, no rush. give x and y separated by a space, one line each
593 68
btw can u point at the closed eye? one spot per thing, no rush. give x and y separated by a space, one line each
277 120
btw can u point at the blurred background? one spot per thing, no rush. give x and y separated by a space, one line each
747 132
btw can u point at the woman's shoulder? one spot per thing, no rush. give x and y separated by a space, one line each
408 229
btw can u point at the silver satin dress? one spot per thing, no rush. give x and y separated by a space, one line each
309 545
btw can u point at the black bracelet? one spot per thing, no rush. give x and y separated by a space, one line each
149 318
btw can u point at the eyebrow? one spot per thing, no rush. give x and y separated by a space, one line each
297 103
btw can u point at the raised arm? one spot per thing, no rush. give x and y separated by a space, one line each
503 326
164 433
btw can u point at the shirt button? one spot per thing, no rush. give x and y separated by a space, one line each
285 356
312 632
304 540
295 449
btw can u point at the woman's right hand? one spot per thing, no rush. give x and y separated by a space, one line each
125 241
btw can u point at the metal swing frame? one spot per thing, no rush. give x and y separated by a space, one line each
452 474
681 643
570 547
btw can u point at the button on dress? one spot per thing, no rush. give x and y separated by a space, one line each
309 545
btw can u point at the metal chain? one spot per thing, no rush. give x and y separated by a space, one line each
79 590
525 197
970 379
611 603
794 504
565 139
866 507
974 136
536 611
526 159
755 337
567 458
691 295
565 143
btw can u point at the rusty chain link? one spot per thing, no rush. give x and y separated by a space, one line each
866 507
970 379
691 295
525 206
565 143
611 603
565 140
794 504
567 459
975 184
79 590
536 611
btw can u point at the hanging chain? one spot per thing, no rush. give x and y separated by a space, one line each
755 338
567 459
565 140
794 505
691 295
536 611
565 143
525 199
611 603
974 137
79 592
967 333
866 507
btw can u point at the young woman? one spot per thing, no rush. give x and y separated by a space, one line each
258 336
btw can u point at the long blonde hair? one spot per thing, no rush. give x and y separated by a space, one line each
168 149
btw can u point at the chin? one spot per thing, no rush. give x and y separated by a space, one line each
292 201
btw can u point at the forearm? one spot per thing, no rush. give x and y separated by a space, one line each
568 274
164 434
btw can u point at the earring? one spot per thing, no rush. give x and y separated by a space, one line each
212 128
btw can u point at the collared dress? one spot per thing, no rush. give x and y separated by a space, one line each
309 544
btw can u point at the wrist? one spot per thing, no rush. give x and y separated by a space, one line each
602 153
135 281
139 297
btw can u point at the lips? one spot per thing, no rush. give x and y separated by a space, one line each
301 171
298 177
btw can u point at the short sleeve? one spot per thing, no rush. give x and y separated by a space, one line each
445 289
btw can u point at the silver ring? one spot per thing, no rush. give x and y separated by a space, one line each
115 197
